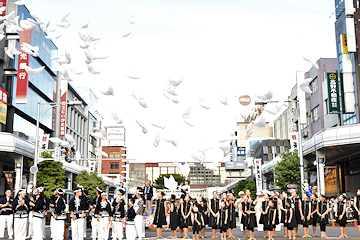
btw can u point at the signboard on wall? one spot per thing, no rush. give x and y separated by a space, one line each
333 95
63 106
22 76
3 105
115 136
258 175
294 142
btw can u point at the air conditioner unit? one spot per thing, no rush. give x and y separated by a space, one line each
305 134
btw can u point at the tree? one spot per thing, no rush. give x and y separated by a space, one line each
246 184
51 176
159 182
90 182
287 171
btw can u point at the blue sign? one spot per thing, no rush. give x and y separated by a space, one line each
309 192
241 151
231 152
33 169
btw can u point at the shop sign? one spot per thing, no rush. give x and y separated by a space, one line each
3 105
258 175
22 75
333 88
294 142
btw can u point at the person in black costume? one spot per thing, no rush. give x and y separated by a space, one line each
290 218
94 222
186 208
322 211
21 208
38 208
118 214
270 223
198 222
232 206
305 215
201 205
243 205
340 215
357 208
283 212
173 217
222 220
251 222
297 208
263 217
59 215
213 206
314 216
160 211
130 221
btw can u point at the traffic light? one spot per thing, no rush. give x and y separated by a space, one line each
67 155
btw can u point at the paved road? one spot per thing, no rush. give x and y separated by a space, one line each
331 232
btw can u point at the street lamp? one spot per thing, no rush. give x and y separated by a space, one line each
38 120
302 175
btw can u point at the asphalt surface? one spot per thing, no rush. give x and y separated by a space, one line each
331 232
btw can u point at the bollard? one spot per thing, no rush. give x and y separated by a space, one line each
355 223
333 223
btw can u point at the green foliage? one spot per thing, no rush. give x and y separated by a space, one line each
246 184
159 182
288 171
90 182
46 154
51 176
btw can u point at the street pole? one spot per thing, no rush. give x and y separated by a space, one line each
36 140
301 158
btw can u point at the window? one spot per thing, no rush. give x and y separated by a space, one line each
315 113
114 155
114 165
314 85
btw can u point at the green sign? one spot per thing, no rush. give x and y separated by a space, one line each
333 88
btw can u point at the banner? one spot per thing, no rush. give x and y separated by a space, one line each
44 141
3 4
63 107
258 175
3 105
8 177
241 151
333 96
22 76
294 142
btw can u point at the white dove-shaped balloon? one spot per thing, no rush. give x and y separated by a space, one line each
213 165
175 83
35 71
315 65
304 85
199 156
249 129
157 139
116 118
260 121
203 104
226 149
273 108
224 100
265 96
109 91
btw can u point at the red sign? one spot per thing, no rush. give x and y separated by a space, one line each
8 177
22 76
63 107
3 4
245 100
3 96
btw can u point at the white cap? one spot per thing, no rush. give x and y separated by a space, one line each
40 189
103 193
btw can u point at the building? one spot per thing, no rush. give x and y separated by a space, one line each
114 145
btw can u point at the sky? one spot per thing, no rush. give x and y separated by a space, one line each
218 47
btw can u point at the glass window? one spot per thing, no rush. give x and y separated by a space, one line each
315 113
114 155
314 85
114 165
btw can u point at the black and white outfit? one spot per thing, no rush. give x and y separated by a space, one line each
38 216
314 220
243 217
297 215
103 212
60 217
118 214
185 209
202 210
358 207
305 207
77 226
139 219
222 217
6 216
322 209
214 205
173 217
291 223
159 217
340 208
21 209
94 222
130 224
232 215
251 222
275 200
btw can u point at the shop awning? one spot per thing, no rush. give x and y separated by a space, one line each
13 144
336 136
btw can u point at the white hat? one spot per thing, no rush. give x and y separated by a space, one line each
103 193
40 189
241 193
80 186
22 191
99 190
131 202
60 191
139 192
77 190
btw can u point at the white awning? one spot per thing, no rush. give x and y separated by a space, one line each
14 144
336 136
267 167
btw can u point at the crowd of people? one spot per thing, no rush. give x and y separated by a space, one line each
25 216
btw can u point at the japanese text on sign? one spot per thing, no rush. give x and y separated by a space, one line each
333 92
258 175
294 142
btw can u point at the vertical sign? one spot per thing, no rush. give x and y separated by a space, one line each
294 142
44 141
3 105
3 4
231 152
8 177
258 175
22 76
344 44
57 154
333 88
241 151
63 107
